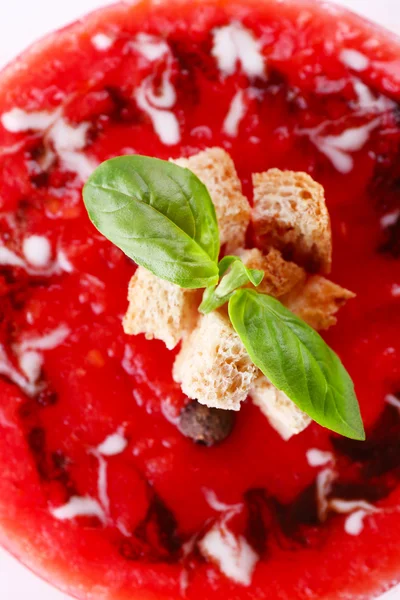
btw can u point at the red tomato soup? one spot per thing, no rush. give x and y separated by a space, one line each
100 493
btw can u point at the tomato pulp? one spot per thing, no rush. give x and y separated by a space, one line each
100 493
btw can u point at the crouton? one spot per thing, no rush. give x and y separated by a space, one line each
283 415
280 276
317 301
215 168
290 214
213 366
160 309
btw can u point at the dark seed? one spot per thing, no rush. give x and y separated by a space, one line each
206 426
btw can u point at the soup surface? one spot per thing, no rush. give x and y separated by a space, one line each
99 491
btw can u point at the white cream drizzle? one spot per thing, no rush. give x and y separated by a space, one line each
37 250
319 458
68 137
31 363
233 555
368 102
357 511
78 162
396 290
344 507
157 105
351 140
390 219
114 444
218 506
392 400
167 96
10 258
79 507
30 359
68 140
102 41
8 370
151 47
61 263
354 59
165 122
354 523
102 484
338 148
17 120
123 529
235 44
324 483
187 549
236 113
48 341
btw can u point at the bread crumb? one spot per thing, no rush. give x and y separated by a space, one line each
317 301
290 214
215 168
160 309
283 414
213 366
280 276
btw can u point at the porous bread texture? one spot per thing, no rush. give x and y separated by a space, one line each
160 309
290 214
317 301
283 415
314 299
213 366
280 276
216 169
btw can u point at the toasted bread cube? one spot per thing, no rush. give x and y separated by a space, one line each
283 415
160 309
317 301
215 168
290 214
280 276
213 366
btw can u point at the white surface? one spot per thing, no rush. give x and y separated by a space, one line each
21 22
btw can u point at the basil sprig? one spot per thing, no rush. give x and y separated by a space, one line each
162 217
237 276
158 214
297 361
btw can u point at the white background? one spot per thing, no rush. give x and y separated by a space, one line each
21 22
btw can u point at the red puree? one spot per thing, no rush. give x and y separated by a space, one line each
123 520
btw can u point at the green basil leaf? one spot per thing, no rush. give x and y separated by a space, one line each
239 274
297 361
160 215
